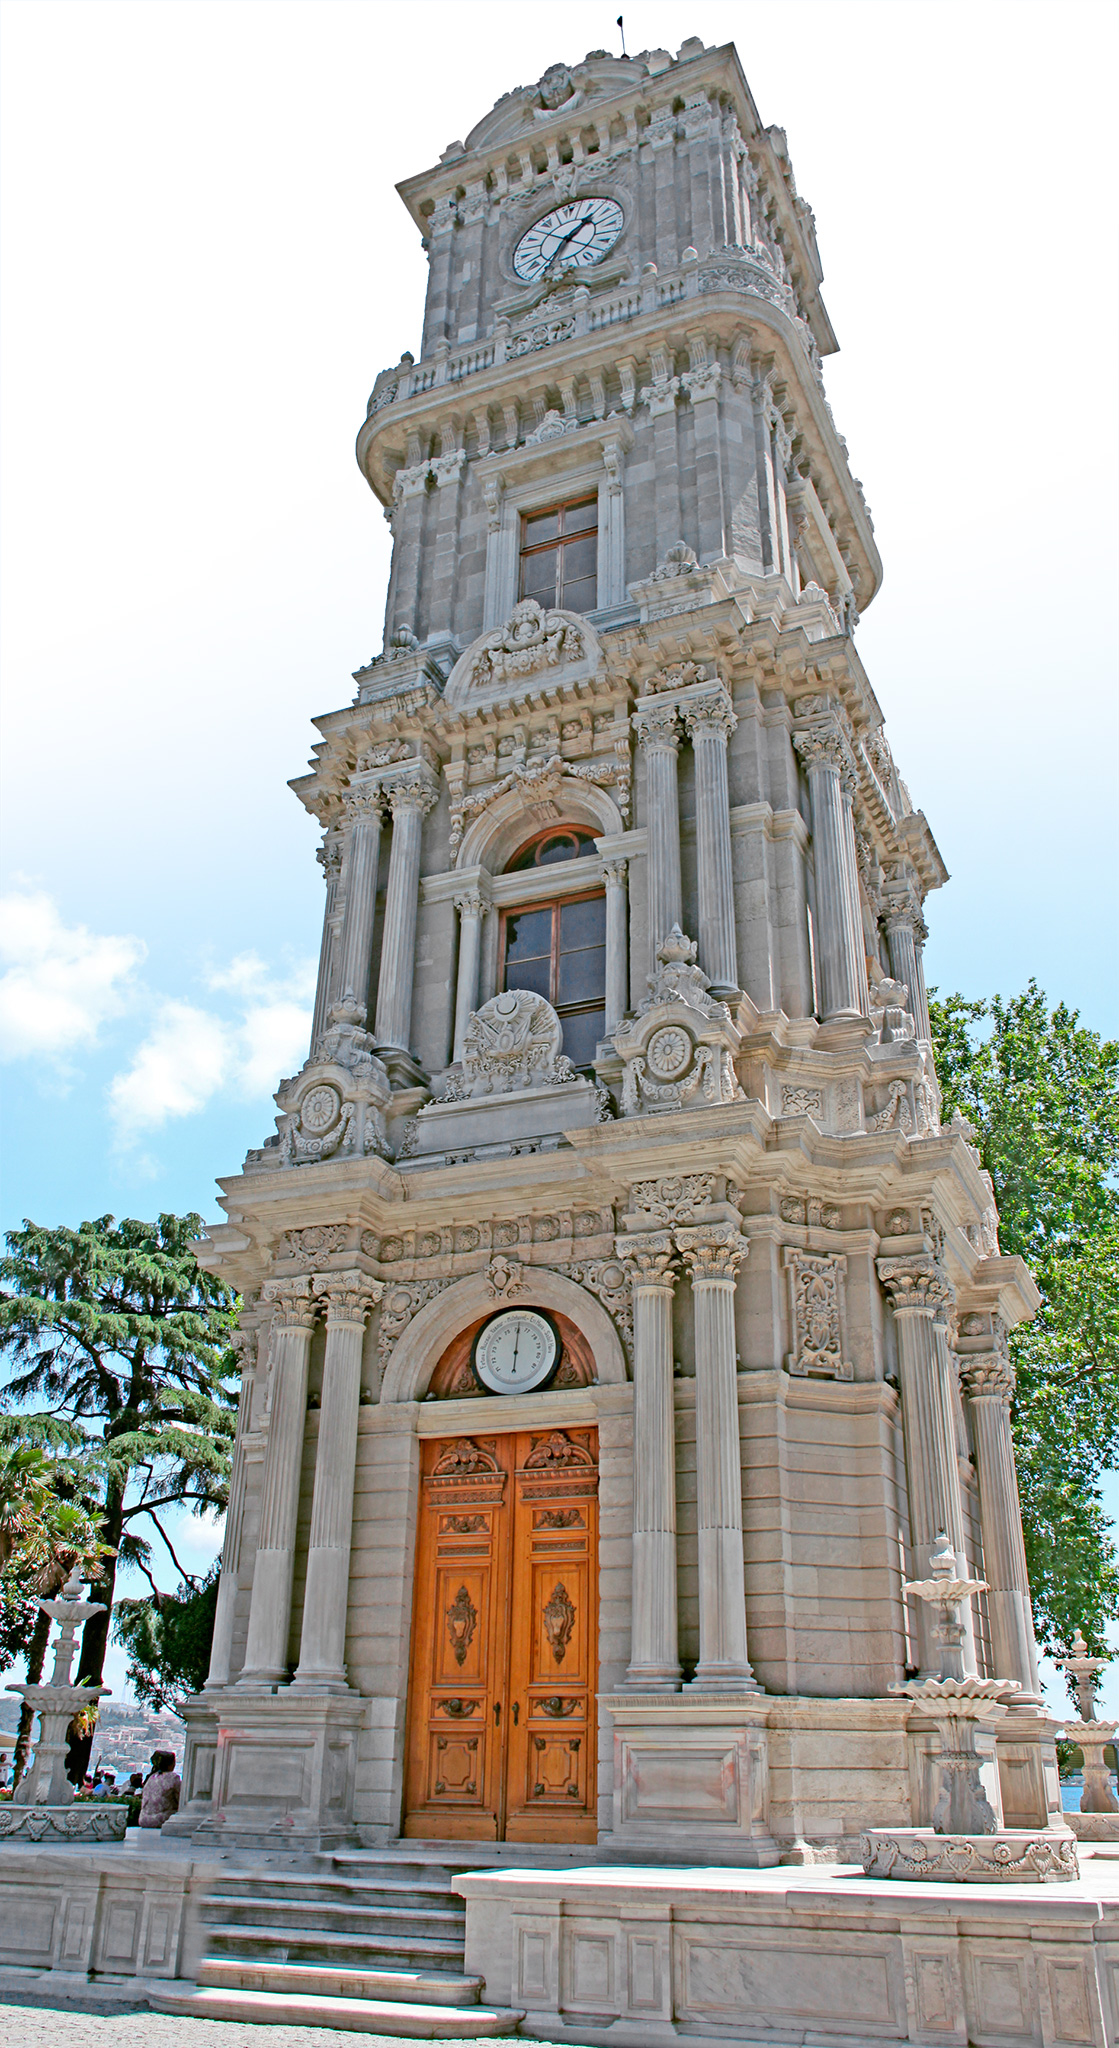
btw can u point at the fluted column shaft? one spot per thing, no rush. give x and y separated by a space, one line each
330 855
920 1295
221 1647
989 1383
617 943
348 1298
713 1254
840 956
658 736
710 721
471 909
266 1651
654 1652
362 859
410 801
902 948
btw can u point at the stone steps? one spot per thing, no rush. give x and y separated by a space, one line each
360 2015
326 1980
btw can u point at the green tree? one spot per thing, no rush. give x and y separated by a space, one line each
124 1341
168 1638
1042 1093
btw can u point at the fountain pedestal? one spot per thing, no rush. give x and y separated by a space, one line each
1098 1819
43 1807
965 1838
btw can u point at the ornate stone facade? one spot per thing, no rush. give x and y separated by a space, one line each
621 1020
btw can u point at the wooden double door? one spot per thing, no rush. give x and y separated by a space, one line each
501 1706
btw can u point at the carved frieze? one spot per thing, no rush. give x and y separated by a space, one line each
675 1198
817 1314
530 640
512 1042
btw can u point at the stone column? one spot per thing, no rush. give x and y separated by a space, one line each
617 942
363 809
713 1253
920 1294
654 1664
988 1379
295 1311
411 801
471 909
348 1298
902 920
330 857
840 956
711 721
659 738
244 1341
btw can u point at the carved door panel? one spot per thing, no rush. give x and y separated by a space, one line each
551 1781
456 1762
502 1709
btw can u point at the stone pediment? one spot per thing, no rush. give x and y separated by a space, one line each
533 646
560 91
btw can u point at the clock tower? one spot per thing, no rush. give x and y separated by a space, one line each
623 1328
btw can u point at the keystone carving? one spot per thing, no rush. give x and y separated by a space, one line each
530 639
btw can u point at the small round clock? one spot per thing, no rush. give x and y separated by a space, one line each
579 233
517 1351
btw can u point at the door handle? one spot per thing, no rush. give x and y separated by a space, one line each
516 1712
497 1713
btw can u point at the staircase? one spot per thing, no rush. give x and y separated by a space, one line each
373 1942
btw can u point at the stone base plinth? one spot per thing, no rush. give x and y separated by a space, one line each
1094 1827
691 1775
270 1770
1012 1856
85 1821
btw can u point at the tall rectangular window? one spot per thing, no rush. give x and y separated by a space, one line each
559 556
559 951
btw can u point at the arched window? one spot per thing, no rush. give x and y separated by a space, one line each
557 948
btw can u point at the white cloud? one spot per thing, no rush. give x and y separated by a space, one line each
60 982
193 1054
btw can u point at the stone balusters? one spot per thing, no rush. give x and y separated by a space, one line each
294 1315
710 722
364 808
921 1296
348 1298
840 951
658 735
713 1253
654 1658
471 907
617 942
988 1382
411 800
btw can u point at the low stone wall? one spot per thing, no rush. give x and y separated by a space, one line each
659 1957
110 1912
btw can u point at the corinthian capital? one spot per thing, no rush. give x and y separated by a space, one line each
651 1257
916 1283
657 728
822 750
347 1297
986 1373
712 1251
367 802
469 902
292 1303
614 873
418 793
710 717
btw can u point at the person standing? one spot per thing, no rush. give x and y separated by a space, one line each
159 1798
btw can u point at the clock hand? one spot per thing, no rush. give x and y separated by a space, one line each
516 1348
565 239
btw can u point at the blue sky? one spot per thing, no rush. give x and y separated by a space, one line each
205 265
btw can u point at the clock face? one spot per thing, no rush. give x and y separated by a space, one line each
579 233
516 1352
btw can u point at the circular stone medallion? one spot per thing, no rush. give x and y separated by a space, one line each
320 1108
669 1053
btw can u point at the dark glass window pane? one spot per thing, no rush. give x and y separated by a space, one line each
583 924
578 518
564 846
580 557
535 975
528 934
581 1035
582 976
581 596
538 576
542 526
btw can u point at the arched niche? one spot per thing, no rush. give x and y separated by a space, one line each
422 1344
494 836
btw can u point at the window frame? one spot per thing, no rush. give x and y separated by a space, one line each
556 905
556 545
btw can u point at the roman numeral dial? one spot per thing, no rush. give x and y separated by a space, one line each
578 234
